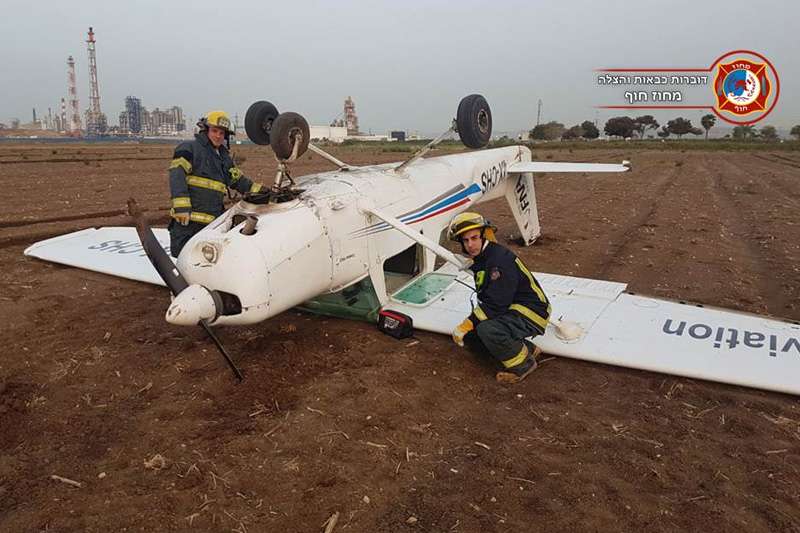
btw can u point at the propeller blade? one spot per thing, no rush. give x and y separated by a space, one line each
222 350
155 253
170 273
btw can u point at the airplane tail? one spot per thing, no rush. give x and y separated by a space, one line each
521 197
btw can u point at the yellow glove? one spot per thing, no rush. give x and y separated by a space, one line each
462 329
182 218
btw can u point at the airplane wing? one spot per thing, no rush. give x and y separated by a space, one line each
538 166
112 250
599 321
592 320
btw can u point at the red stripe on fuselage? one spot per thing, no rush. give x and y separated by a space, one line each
446 209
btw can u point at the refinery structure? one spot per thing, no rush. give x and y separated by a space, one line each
135 120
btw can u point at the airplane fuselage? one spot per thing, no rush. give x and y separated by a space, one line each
324 240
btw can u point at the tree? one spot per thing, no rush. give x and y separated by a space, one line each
795 131
575 132
663 132
644 123
620 127
744 133
547 132
769 133
590 131
680 126
708 122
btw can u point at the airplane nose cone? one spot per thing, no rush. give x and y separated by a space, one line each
192 305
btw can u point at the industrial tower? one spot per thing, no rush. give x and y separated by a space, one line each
62 123
74 125
96 122
350 117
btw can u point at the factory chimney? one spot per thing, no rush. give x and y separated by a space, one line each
72 90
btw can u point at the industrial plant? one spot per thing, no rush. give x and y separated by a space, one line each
136 120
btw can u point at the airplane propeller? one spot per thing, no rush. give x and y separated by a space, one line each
170 274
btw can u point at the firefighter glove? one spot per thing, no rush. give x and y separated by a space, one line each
182 218
462 329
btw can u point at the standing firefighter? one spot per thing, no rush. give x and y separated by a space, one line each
200 174
511 304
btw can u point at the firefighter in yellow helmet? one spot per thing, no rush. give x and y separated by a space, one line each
512 306
200 174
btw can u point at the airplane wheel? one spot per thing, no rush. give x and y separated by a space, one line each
288 128
474 121
258 121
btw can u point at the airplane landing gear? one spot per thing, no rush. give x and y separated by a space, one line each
289 136
258 121
474 121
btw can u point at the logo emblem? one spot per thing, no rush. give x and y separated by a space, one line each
742 87
746 87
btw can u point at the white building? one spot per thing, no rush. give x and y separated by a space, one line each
328 133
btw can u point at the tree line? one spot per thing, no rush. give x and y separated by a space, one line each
629 128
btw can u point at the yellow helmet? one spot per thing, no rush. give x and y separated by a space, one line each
466 221
219 119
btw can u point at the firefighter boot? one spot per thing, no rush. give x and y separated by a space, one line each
521 371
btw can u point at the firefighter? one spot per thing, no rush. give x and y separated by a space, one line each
200 174
511 304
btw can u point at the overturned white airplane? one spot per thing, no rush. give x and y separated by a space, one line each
357 240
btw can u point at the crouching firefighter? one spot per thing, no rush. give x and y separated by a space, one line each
200 174
511 304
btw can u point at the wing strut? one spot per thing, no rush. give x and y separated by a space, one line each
409 232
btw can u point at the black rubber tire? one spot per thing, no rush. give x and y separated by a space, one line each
474 121
284 130
258 121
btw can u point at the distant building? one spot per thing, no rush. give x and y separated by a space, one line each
334 134
369 138
137 120
398 136
133 110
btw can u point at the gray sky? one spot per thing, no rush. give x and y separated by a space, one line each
405 63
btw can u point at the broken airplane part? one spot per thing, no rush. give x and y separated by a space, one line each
355 240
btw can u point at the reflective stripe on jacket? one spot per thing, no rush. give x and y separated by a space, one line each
505 284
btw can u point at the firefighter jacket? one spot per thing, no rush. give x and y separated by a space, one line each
199 177
504 284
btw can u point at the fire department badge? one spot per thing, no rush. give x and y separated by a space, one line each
494 274
745 85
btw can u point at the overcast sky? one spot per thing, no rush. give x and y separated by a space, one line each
405 63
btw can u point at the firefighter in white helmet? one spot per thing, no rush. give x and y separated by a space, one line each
512 306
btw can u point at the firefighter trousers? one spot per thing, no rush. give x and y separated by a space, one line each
503 339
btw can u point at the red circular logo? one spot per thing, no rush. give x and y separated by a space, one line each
746 87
